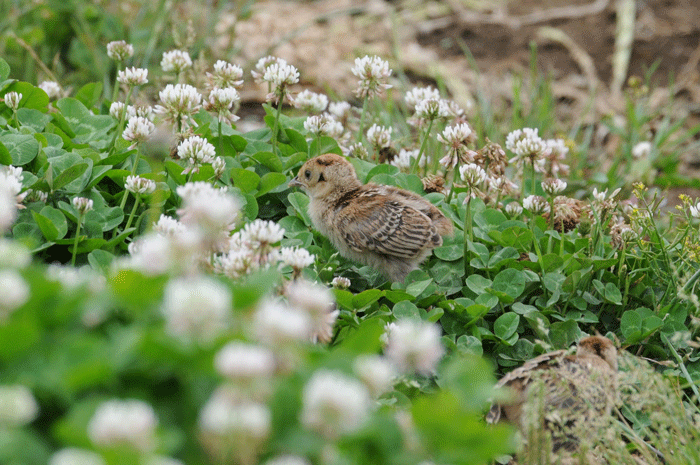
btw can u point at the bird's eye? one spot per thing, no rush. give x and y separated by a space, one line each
307 173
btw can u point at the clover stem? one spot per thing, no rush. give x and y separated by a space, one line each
416 163
362 119
75 242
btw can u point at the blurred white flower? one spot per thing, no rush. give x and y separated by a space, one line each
116 109
376 372
603 195
210 209
414 345
14 254
133 76
277 324
695 211
339 110
197 308
373 73
419 94
296 257
262 65
218 165
72 278
319 303
239 361
334 403
138 129
261 233
340 282
168 226
536 204
310 102
237 262
161 460
128 422
12 100
405 159
225 75
119 50
52 89
8 207
17 405
553 186
196 151
82 204
139 185
179 103
287 460
74 456
642 150
514 209
379 136
225 415
175 60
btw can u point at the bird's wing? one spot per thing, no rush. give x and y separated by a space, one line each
386 226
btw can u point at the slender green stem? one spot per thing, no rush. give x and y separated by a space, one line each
16 119
551 213
681 365
133 172
416 162
133 211
452 186
122 120
468 232
277 122
221 140
362 119
532 185
115 93
75 242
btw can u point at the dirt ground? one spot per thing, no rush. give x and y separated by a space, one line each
580 43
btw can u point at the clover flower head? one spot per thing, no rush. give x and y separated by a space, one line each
12 100
124 422
119 50
418 94
240 360
514 209
281 75
527 145
472 174
296 257
318 302
553 186
138 129
323 125
82 204
340 282
414 346
278 325
311 102
373 73
225 75
133 76
222 101
139 185
642 150
17 405
196 151
405 158
536 204
379 136
176 61
207 208
75 456
261 66
695 210
432 109
52 89
179 103
339 110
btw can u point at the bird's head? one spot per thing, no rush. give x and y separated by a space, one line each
326 174
601 347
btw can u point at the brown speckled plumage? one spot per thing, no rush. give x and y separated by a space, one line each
387 228
566 390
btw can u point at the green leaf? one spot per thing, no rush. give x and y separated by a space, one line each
416 288
100 260
506 325
270 160
32 97
270 181
4 70
564 334
449 252
47 228
90 94
88 128
246 180
23 148
297 140
366 298
406 309
324 144
67 176
510 281
300 202
5 157
478 283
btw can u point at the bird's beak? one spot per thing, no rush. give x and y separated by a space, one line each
294 183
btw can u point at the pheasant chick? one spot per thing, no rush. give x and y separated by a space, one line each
390 229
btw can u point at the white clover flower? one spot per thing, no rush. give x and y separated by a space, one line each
167 226
642 150
197 308
17 405
405 158
373 73
237 421
553 186
139 185
138 129
82 204
73 278
14 254
179 103
128 422
155 254
221 101
311 102
536 204
52 89
695 211
277 324
340 110
334 403
37 196
298 258
237 262
133 76
262 65
414 345
376 372
176 60
240 360
8 206
319 303
627 234
527 145
196 151
323 125
431 109
340 282
208 208
455 135
379 136
74 456
419 94
119 50
472 174
603 195
218 165
161 460
287 460
514 209
12 100
225 75
281 75
116 109
261 233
